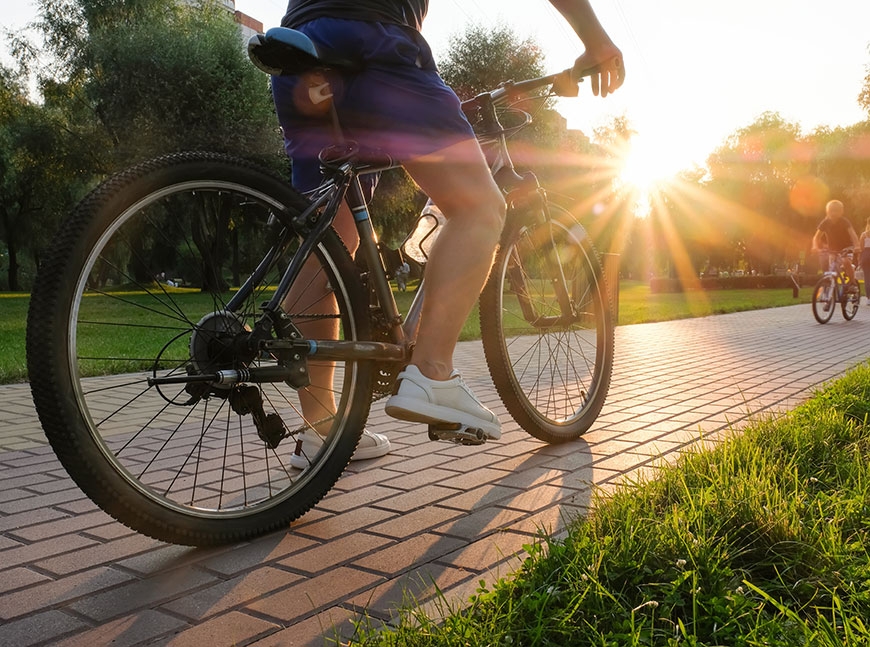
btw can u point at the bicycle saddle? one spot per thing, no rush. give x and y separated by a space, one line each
283 51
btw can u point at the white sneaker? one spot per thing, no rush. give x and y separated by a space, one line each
419 399
371 445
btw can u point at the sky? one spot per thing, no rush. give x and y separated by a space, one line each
697 70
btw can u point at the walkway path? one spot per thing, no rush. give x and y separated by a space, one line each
427 513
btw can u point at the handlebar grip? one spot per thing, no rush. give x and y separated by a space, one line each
566 83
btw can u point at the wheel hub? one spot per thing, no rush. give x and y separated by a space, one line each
216 343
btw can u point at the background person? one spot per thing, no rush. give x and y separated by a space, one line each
864 246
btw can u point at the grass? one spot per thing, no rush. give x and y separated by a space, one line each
762 540
636 305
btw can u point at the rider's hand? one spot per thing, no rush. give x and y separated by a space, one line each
604 66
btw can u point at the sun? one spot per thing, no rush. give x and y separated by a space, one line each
645 169
645 166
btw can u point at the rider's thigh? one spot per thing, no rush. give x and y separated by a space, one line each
458 180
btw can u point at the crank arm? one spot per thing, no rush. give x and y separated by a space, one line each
253 375
340 350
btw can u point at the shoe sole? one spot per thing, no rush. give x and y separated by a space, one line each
412 410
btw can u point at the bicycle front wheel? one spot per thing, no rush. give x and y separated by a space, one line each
824 299
146 288
548 342
851 301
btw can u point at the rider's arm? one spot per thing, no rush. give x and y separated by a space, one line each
855 242
817 240
602 59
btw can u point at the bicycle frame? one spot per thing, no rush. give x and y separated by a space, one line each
343 184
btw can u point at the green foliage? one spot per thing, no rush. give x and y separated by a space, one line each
482 57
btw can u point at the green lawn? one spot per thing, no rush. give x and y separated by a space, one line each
636 305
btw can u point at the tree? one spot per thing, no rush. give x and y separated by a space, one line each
39 174
754 172
864 96
158 76
132 79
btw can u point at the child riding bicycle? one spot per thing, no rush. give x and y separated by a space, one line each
833 235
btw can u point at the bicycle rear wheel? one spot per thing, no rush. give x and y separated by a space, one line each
145 281
824 299
552 372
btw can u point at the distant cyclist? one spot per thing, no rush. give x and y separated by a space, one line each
398 103
834 234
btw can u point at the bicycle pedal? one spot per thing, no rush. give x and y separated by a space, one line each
457 433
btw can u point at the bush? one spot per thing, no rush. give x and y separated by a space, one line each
659 285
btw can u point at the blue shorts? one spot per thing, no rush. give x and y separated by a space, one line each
397 103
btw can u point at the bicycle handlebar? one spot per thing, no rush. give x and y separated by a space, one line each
563 85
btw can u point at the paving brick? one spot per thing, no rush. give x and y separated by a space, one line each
342 524
480 523
30 553
334 553
141 594
480 497
80 505
406 593
487 553
234 628
402 556
225 595
28 518
415 522
19 577
474 478
266 550
422 496
343 501
533 476
37 501
95 554
144 628
331 627
56 592
424 462
63 526
43 627
300 600
419 479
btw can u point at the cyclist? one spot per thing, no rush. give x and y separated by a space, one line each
865 258
398 103
833 235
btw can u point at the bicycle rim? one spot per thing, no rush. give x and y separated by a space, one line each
823 300
552 375
149 264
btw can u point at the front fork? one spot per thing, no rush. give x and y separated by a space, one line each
529 202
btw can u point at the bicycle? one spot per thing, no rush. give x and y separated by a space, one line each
177 407
836 287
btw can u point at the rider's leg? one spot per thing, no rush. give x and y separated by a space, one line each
459 182
313 294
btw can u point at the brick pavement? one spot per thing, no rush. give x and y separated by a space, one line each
428 514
